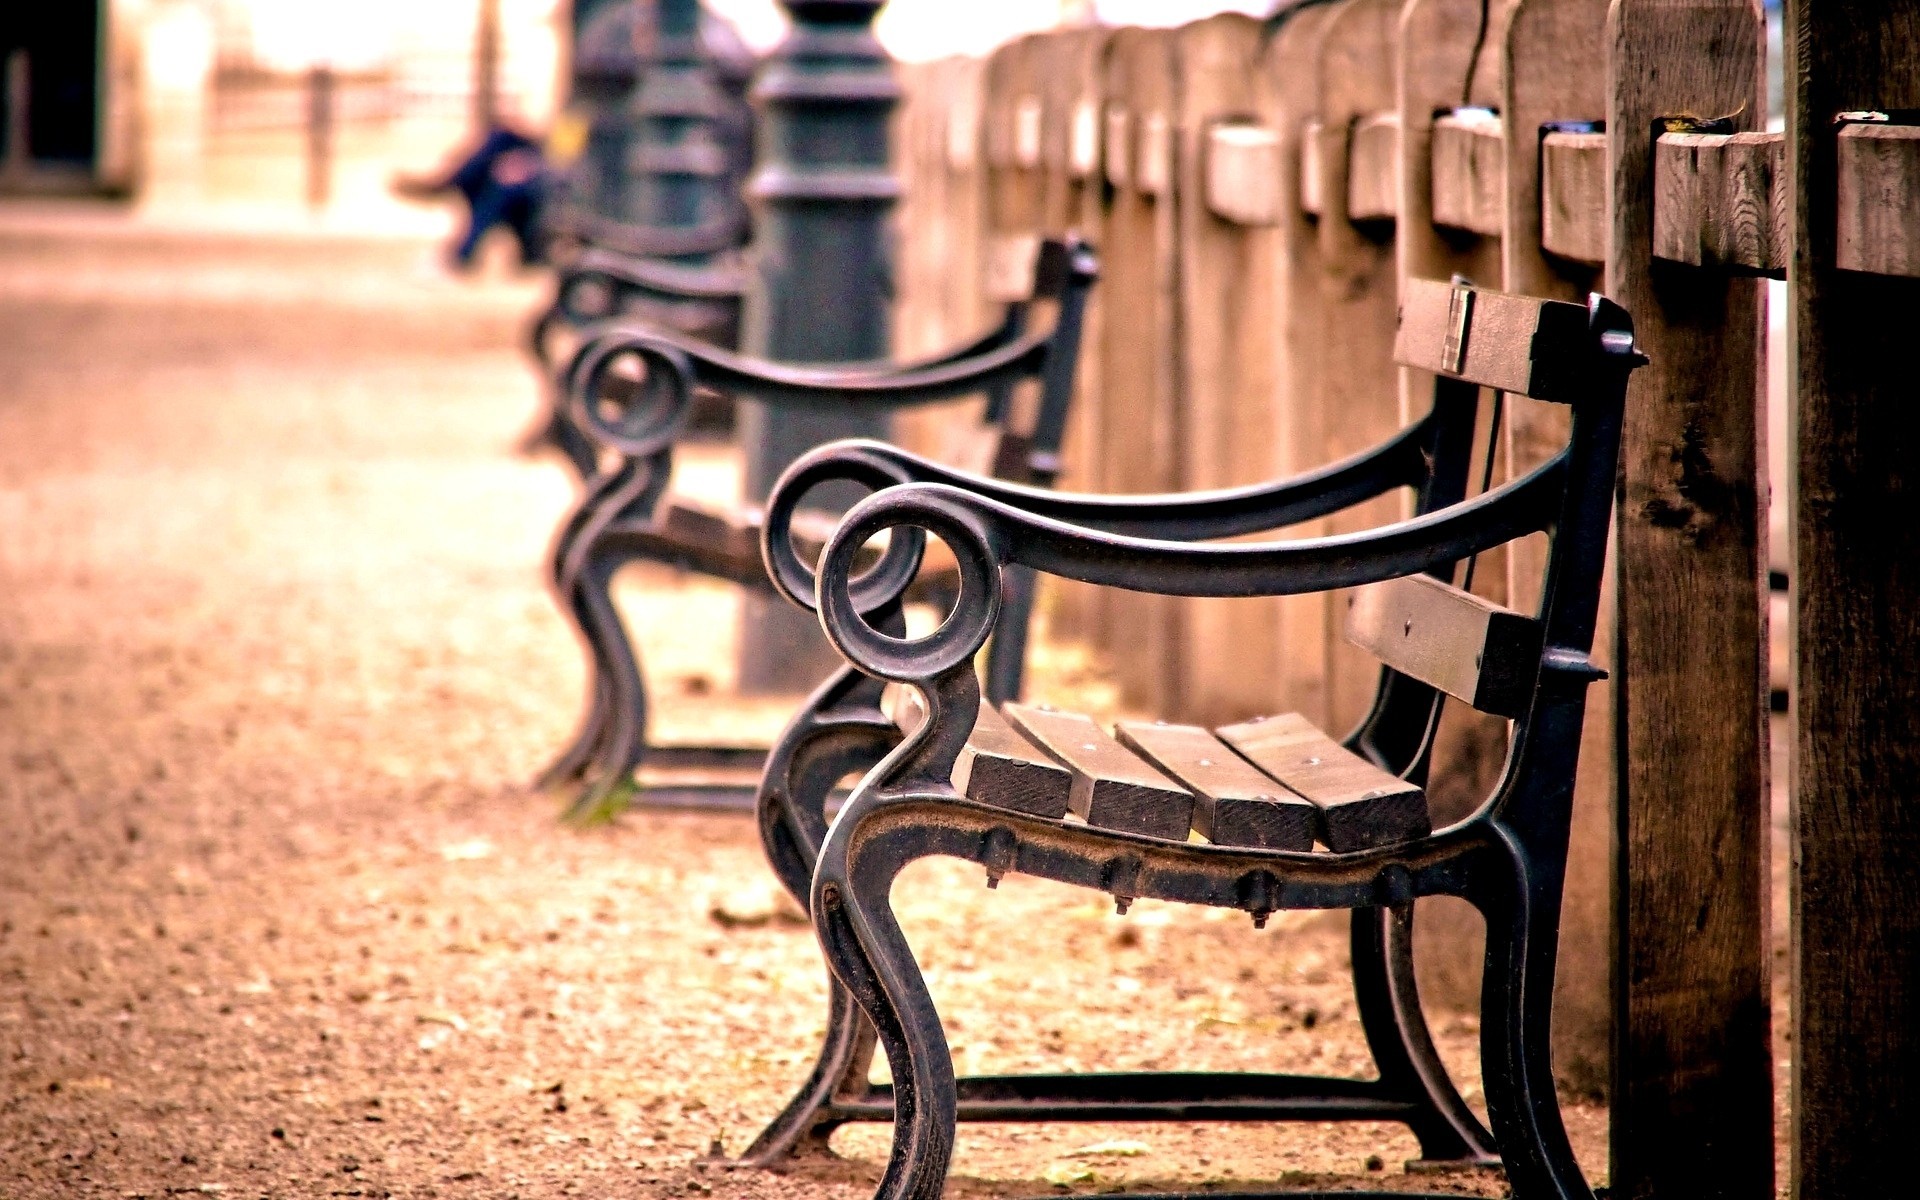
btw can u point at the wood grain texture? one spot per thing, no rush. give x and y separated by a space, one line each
1555 71
1002 768
1856 576
1360 805
1074 200
1233 804
1467 177
1113 788
1573 197
1230 660
1373 168
938 232
1692 1103
1360 394
1720 200
1141 434
1463 644
1878 222
1447 60
1288 99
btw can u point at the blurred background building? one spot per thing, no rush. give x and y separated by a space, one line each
269 107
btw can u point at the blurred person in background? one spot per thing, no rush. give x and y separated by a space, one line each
509 177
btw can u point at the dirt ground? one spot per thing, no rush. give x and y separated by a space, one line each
278 913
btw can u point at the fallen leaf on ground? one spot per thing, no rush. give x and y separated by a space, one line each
1112 1148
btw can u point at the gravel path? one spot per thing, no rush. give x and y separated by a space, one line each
278 916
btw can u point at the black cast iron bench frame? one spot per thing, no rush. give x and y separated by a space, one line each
622 517
1507 858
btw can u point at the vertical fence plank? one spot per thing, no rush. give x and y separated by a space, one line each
1360 398
1555 54
1856 579
1140 438
1692 1077
1074 200
938 299
1232 652
1289 98
1443 46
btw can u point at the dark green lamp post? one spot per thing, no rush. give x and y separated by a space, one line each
820 285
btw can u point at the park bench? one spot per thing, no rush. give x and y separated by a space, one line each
628 274
1262 815
628 515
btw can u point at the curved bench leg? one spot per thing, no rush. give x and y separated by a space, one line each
564 559
839 731
1389 1002
865 948
1516 1026
623 744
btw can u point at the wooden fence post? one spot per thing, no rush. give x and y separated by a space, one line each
1856 583
1554 72
1360 399
938 299
1140 443
1692 1077
1289 100
1074 200
1232 651
1448 58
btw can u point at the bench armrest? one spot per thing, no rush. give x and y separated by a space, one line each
1179 517
986 535
683 364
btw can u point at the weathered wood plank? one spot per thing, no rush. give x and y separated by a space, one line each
1878 223
1373 168
1855 821
1554 72
1440 71
1720 200
1231 654
1287 100
1002 768
1463 644
1573 196
1360 397
1138 350
1233 804
1074 200
1692 1073
1360 805
1113 788
1468 172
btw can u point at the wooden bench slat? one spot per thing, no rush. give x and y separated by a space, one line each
1456 641
1515 343
1233 805
998 766
1112 787
1361 806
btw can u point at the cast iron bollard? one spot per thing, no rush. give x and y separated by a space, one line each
679 171
605 64
821 284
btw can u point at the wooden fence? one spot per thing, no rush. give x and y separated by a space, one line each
1260 190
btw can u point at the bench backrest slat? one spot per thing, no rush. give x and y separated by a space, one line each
1468 647
1495 339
